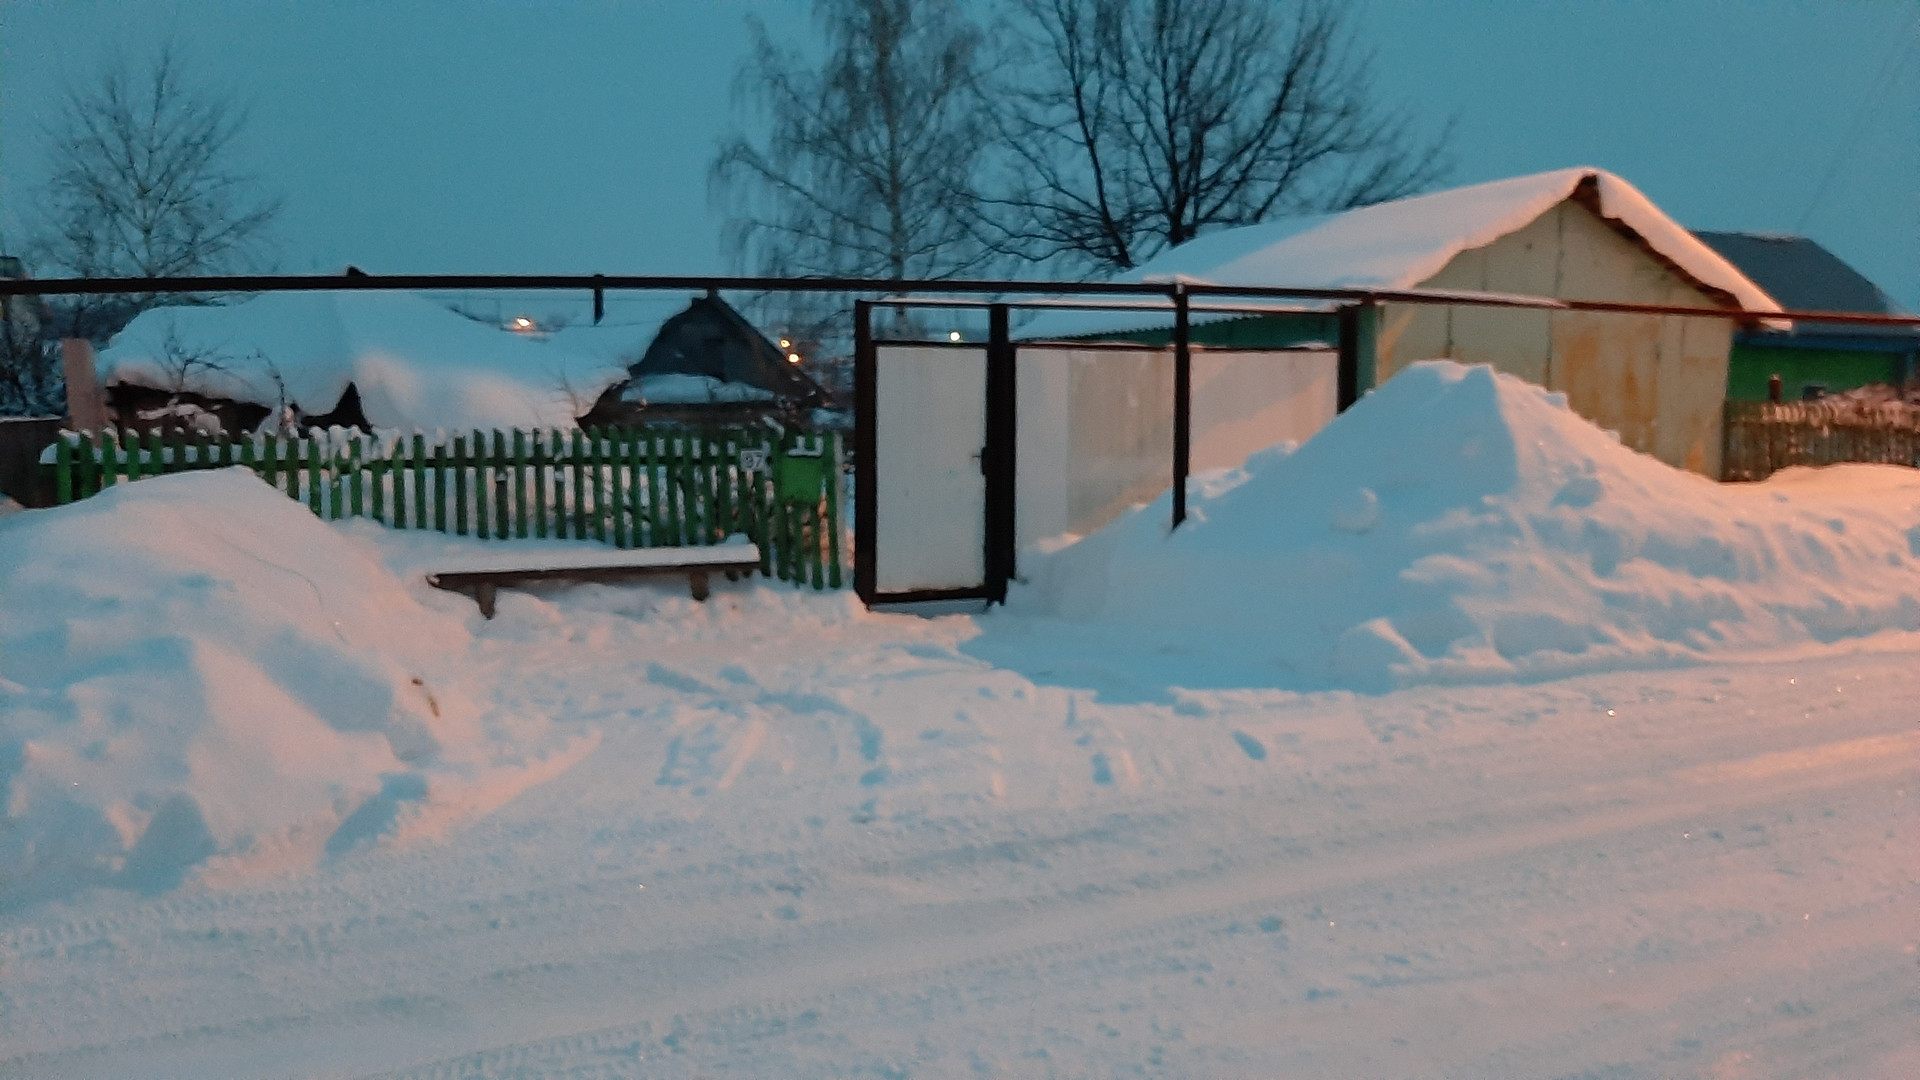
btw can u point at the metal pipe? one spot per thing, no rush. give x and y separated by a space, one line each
1182 403
891 286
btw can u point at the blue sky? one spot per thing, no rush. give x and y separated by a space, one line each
562 137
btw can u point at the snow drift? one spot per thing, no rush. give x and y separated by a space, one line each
1463 525
194 667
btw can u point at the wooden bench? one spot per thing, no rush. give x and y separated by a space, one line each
482 577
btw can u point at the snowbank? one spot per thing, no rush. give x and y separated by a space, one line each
195 668
416 364
1463 525
679 389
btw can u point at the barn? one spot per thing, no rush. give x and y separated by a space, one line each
1577 234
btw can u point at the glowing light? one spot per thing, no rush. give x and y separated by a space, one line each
793 358
521 323
955 336
785 344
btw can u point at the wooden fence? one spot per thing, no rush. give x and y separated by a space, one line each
622 486
1762 437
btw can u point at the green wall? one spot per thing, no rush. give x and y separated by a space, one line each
1750 366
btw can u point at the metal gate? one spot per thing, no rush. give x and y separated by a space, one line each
934 438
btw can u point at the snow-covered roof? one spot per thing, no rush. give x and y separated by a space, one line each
677 389
415 363
1399 244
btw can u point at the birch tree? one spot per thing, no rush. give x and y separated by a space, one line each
145 182
869 160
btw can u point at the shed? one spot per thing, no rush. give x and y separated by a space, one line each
1810 358
1579 233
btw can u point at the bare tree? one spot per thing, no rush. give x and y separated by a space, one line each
869 162
30 382
1134 125
145 183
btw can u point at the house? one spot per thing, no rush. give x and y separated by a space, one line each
708 365
1811 358
354 358
1580 233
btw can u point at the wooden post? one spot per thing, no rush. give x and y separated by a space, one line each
579 485
62 470
520 483
86 406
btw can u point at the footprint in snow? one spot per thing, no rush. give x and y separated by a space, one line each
1254 747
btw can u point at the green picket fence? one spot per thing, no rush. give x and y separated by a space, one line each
629 487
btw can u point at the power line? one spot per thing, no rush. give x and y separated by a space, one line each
1860 120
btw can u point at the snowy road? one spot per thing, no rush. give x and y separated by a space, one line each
843 846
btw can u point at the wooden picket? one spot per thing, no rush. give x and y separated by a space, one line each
627 487
1761 437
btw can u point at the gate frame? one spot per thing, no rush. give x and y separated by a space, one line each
997 464
1354 373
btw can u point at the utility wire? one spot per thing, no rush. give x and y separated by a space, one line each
1901 47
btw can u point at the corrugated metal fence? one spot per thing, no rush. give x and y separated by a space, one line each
629 487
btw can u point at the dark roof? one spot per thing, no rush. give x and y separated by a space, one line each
1799 273
711 338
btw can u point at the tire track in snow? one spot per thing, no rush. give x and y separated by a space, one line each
987 941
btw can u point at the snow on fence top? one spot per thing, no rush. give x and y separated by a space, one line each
1399 244
416 364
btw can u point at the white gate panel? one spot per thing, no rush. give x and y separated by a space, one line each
1096 424
1244 402
930 499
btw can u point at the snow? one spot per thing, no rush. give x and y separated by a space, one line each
1399 244
202 678
564 555
775 834
1462 525
679 389
416 364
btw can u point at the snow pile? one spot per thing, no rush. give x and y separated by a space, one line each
195 668
1402 243
1463 525
680 389
416 364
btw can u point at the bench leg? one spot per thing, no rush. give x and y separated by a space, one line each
483 594
697 580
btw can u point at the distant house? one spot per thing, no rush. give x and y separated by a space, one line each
708 364
1573 234
1811 358
357 359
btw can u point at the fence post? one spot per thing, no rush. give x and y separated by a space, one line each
62 470
503 477
834 474
1182 403
520 483
580 485
316 480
